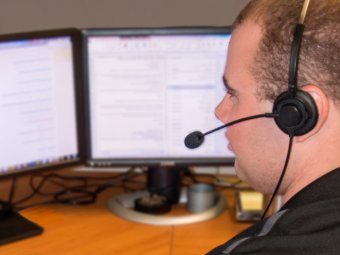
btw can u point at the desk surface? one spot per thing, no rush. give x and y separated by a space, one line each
93 229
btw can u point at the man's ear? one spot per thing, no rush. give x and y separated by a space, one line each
322 105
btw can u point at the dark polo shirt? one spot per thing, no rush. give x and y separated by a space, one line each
309 223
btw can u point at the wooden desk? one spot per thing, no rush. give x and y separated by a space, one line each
93 229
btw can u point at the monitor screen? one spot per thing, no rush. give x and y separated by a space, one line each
38 105
146 89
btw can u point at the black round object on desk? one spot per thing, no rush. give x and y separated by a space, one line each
153 204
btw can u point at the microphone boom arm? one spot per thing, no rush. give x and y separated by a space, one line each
263 115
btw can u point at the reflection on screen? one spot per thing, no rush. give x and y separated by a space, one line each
148 92
37 105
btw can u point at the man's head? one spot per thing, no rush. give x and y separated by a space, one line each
257 72
320 48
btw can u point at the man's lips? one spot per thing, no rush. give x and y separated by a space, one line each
229 145
230 148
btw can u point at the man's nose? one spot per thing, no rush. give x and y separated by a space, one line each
222 110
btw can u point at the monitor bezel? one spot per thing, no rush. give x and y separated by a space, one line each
75 35
151 161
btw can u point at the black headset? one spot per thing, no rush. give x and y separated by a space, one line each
296 110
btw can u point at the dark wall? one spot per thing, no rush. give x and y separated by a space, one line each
26 15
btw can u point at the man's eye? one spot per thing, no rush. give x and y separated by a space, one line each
230 93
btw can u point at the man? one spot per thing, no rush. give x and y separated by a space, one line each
256 73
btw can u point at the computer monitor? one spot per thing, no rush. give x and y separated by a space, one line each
39 76
39 109
146 89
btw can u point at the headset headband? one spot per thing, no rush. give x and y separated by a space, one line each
294 56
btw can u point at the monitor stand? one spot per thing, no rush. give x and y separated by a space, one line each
165 181
13 226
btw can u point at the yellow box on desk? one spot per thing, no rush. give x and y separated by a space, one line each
249 205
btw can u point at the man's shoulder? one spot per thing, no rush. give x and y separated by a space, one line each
309 229
312 217
312 228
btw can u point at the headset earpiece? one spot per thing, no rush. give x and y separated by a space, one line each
296 115
296 110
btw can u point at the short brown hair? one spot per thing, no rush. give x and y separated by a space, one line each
319 54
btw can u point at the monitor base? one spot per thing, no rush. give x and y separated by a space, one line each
14 227
122 205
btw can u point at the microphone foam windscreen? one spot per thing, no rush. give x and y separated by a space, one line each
194 140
